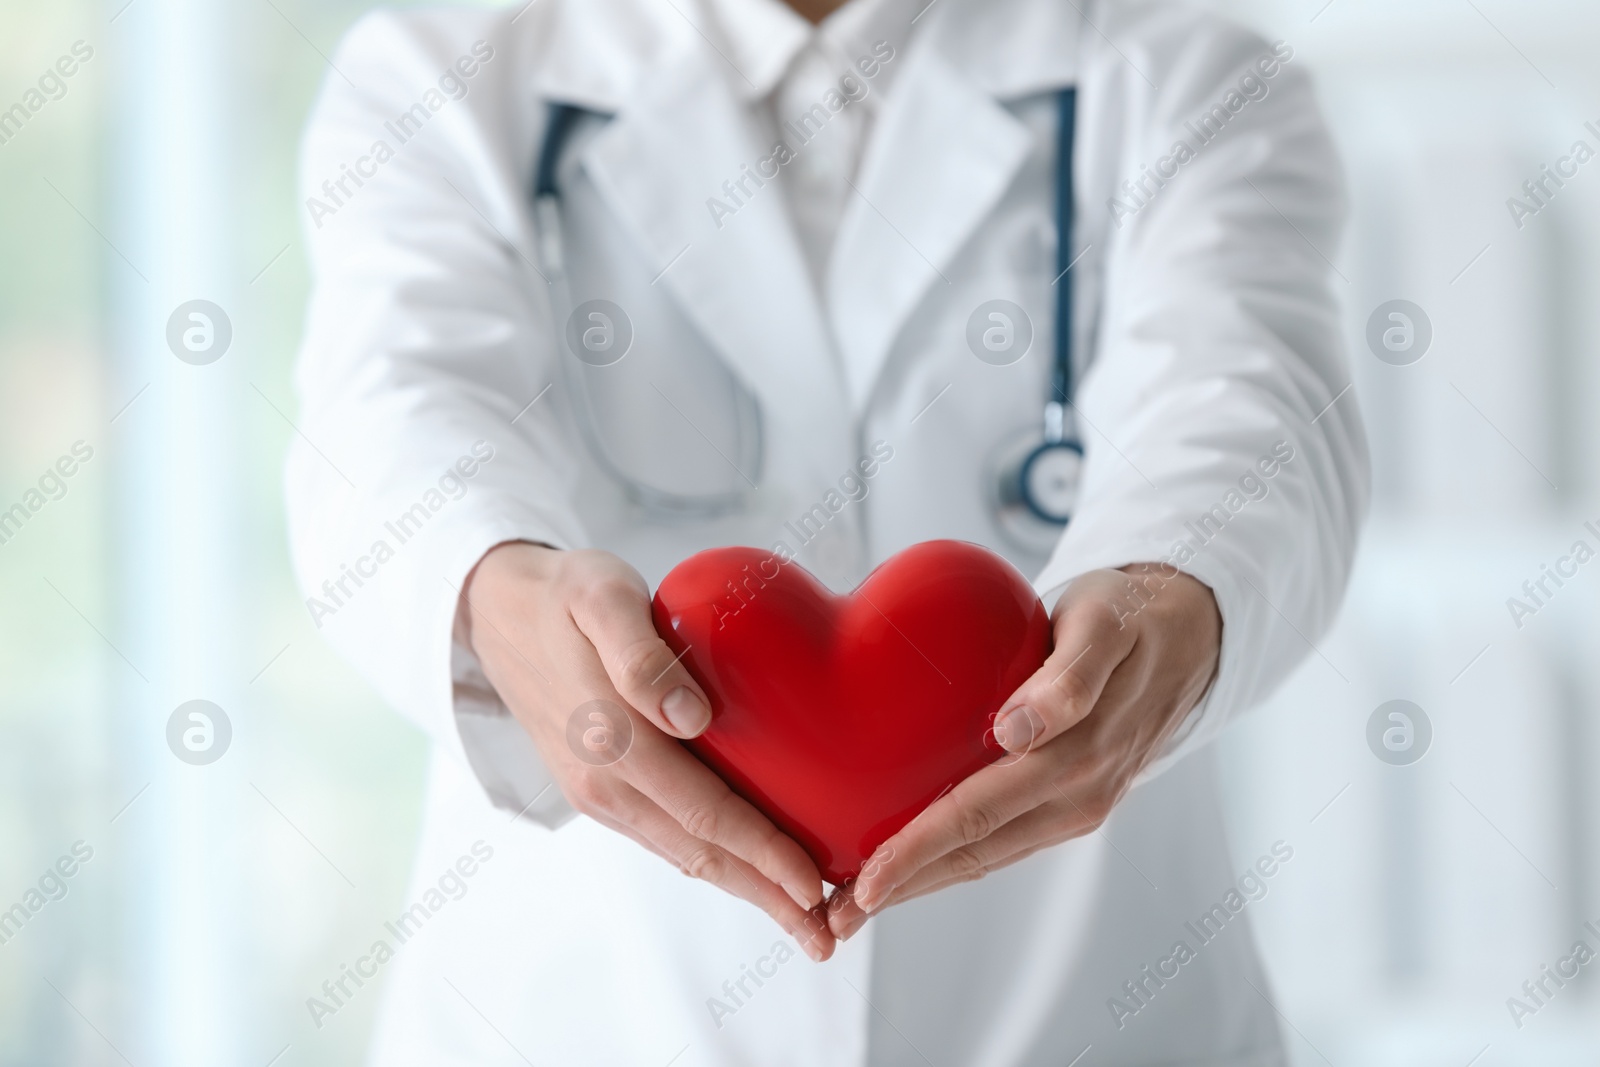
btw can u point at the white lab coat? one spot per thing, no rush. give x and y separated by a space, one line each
1209 327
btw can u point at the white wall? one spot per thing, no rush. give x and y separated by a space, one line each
1426 895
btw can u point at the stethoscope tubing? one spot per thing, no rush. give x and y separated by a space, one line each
562 117
1061 378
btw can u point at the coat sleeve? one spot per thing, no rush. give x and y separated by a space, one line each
426 339
1220 434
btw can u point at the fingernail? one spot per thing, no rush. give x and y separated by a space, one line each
797 896
686 712
853 929
1017 727
811 949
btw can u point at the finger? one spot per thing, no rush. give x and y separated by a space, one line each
1022 837
1047 825
970 812
1064 793
707 809
615 617
845 916
676 781
697 858
1091 640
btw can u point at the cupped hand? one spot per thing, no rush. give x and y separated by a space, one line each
558 632
1134 652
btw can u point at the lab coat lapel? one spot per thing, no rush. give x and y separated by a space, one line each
943 155
740 277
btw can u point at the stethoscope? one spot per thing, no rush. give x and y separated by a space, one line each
598 335
1035 479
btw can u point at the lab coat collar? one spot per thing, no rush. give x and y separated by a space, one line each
731 260
757 40
1012 48
943 155
595 53
761 38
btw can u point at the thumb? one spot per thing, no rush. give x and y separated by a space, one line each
642 669
1091 641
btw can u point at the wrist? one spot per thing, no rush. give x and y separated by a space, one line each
1178 603
1170 600
1151 582
510 567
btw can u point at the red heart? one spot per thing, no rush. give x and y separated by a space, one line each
841 718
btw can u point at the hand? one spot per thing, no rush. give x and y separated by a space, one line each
1135 650
556 630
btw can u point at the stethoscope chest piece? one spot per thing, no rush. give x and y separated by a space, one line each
1049 481
1036 485
1036 473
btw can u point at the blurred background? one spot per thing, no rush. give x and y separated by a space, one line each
203 904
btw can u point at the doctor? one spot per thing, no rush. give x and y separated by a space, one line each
600 283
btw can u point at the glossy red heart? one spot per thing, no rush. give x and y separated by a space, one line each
842 717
